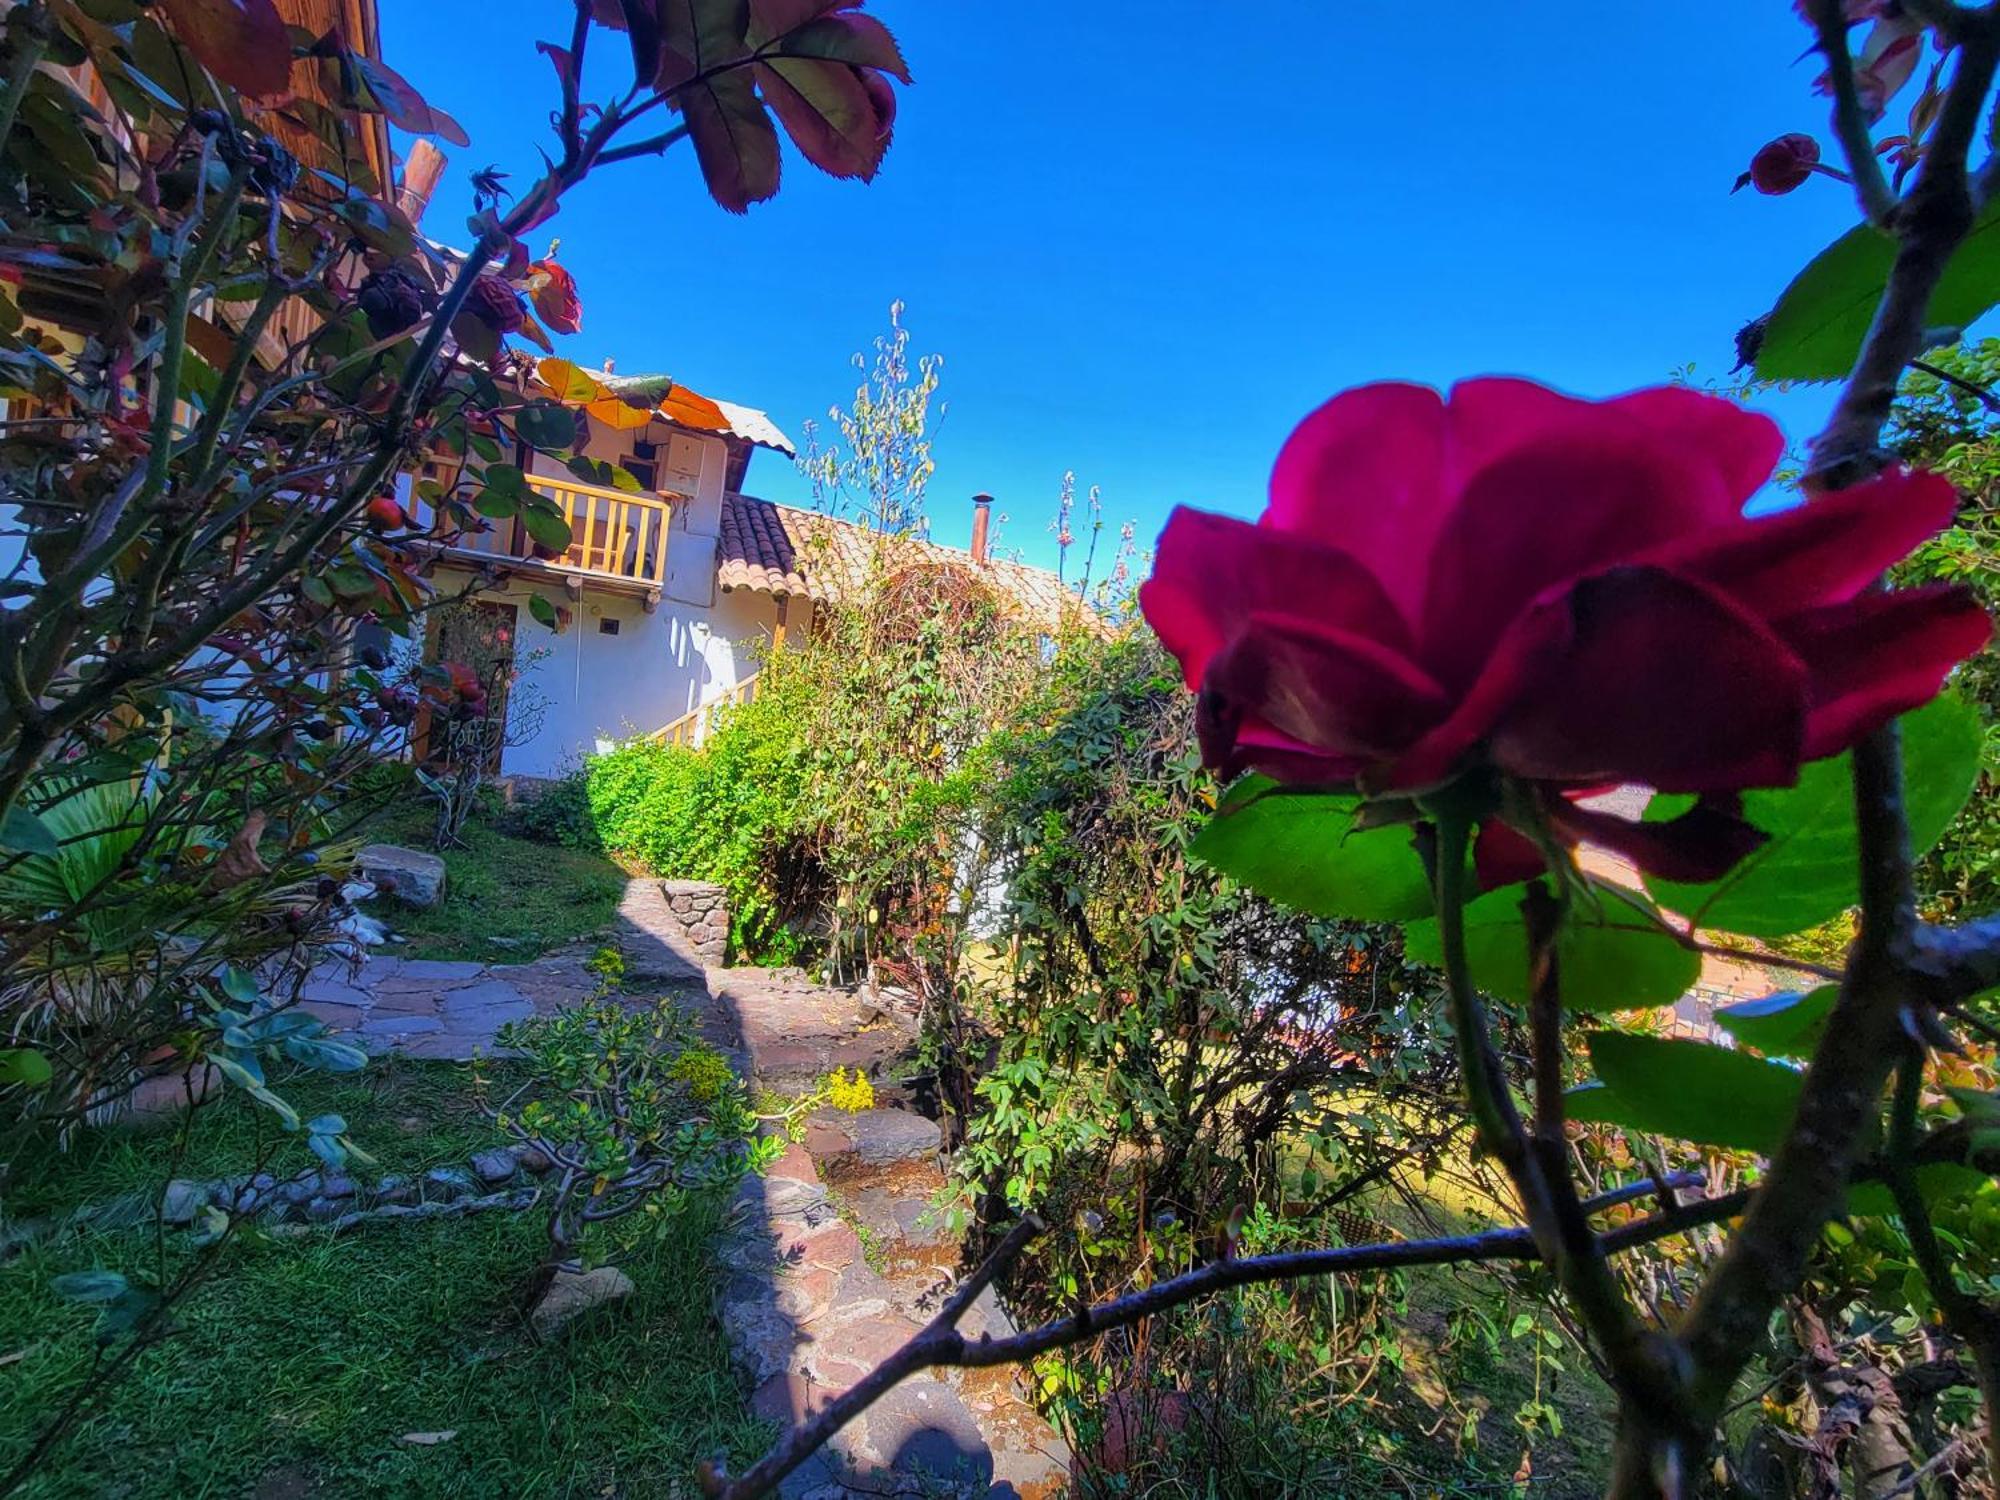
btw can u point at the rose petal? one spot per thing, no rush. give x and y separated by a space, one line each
1661 681
1364 473
1822 552
1548 513
1704 843
1501 856
1493 417
1212 572
1743 446
1329 689
1880 655
1231 743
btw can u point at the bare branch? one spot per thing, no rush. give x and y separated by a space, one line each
940 1344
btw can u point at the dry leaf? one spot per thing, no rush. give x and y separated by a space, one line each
240 861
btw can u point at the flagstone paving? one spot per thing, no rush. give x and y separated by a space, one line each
836 1255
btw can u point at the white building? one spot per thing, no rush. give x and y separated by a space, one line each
670 597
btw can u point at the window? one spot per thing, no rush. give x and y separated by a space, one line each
644 464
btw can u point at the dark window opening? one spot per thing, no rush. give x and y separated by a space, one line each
644 464
607 626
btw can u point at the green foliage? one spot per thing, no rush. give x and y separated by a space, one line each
1806 871
557 814
724 813
1303 849
1815 331
1692 1091
1614 952
1944 426
636 1110
1782 1025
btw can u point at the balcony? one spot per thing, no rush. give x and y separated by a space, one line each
615 536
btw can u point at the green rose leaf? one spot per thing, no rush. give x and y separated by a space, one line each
1692 1091
1815 331
24 1066
497 502
1937 1182
1787 1025
546 525
1806 871
1302 849
544 612
27 833
546 424
1613 953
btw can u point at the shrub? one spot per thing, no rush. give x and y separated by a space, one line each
559 813
631 1105
729 813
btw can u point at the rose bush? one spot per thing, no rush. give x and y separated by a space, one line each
1559 594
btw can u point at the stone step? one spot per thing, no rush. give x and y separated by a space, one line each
807 1316
874 1147
796 1032
904 1232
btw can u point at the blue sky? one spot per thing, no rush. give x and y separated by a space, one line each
1147 239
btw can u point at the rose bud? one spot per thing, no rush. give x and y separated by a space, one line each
326 888
391 300
317 729
1782 165
496 304
373 718
385 515
372 657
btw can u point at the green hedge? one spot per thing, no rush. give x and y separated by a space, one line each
723 813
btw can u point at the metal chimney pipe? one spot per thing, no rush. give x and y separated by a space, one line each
982 517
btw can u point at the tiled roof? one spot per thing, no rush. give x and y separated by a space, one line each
783 551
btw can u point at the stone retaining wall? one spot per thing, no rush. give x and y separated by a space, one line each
700 911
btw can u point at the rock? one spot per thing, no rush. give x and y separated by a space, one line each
395 1189
573 1293
301 1189
409 875
442 1184
337 1187
871 1137
494 1167
531 1157
182 1201
322 1210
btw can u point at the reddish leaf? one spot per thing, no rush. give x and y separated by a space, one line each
564 63
404 106
860 41
734 139
553 291
828 112
242 42
698 36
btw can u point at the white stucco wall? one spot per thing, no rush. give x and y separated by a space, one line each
694 646
597 688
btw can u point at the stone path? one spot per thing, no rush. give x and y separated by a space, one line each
835 1256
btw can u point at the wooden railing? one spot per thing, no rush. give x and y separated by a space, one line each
612 533
692 727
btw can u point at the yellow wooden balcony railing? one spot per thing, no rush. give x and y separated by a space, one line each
692 727
612 533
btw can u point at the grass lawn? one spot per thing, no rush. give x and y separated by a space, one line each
534 896
300 1367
